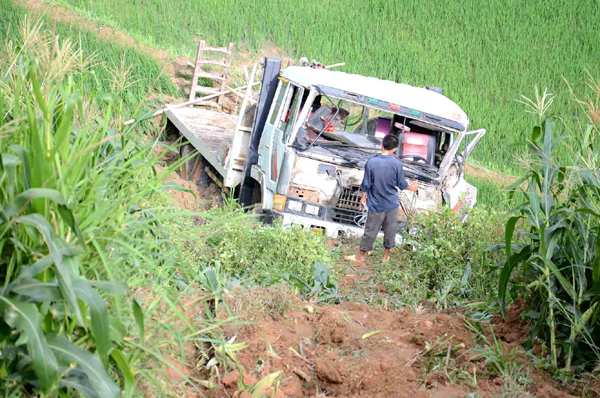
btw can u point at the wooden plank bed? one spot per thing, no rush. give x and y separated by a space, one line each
210 132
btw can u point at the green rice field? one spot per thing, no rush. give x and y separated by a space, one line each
144 74
485 54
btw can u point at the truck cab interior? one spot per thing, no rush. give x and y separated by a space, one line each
420 143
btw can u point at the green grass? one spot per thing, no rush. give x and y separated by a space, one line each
144 77
493 194
484 54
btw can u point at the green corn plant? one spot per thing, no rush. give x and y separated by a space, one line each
561 252
68 186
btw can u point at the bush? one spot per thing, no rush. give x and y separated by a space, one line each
450 262
244 247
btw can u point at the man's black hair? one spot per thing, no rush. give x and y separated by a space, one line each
390 142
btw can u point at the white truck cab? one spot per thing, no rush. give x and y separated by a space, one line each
300 156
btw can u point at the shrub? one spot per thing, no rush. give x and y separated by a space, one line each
450 260
243 247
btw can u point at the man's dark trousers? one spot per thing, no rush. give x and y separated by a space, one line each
388 220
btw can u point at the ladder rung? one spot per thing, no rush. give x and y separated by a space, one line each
217 49
207 90
209 76
211 62
211 103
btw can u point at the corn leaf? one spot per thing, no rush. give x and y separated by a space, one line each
80 384
68 353
62 272
99 313
21 200
25 317
44 291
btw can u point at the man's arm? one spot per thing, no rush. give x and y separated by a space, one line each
366 184
363 200
403 184
413 187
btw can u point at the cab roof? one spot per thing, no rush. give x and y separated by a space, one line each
400 94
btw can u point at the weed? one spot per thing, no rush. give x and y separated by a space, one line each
498 364
451 265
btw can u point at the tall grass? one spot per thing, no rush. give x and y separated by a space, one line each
483 53
72 226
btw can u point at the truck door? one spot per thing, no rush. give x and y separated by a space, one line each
277 131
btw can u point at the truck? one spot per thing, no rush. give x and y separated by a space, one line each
298 153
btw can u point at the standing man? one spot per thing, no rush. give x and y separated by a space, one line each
383 175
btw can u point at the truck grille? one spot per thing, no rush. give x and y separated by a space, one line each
348 209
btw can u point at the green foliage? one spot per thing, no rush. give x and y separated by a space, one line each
450 261
560 258
55 323
484 53
322 288
243 247
499 362
493 194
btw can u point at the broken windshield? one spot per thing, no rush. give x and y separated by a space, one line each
354 132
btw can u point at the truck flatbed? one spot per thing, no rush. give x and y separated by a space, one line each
210 132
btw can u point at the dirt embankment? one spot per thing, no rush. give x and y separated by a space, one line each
350 350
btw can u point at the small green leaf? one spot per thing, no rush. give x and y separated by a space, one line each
138 314
68 353
67 215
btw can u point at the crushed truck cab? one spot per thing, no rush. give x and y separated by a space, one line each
299 154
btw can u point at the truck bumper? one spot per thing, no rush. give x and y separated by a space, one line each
331 229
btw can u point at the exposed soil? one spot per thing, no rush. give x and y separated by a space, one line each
196 200
328 352
332 358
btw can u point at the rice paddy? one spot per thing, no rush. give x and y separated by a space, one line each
107 61
485 54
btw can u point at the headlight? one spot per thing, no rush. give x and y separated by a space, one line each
312 209
294 205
